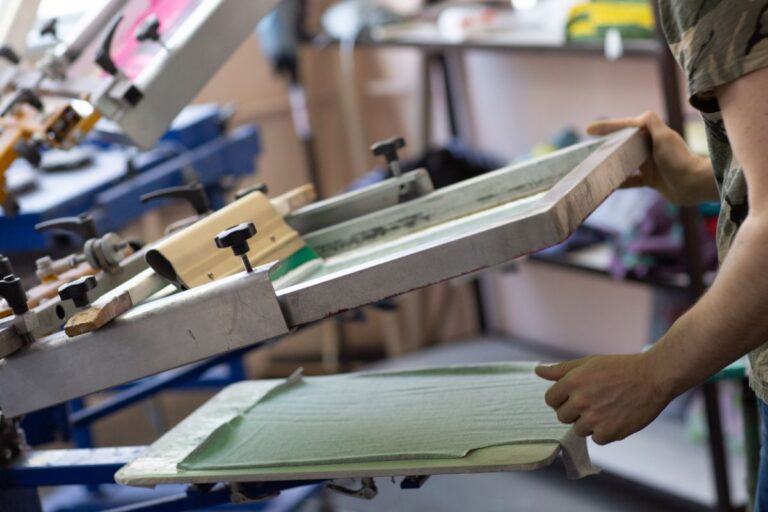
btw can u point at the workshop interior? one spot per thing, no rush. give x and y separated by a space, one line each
303 255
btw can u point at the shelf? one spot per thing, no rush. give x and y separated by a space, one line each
431 40
595 260
631 48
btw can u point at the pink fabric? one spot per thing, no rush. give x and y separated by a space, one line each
130 55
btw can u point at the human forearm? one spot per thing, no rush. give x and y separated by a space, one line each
729 321
702 186
611 397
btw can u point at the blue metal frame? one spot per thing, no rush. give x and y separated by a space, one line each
98 466
81 417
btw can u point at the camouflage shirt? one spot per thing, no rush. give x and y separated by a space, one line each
716 42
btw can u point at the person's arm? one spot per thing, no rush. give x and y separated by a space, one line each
679 175
611 397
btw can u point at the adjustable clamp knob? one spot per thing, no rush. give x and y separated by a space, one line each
50 28
236 238
388 149
14 294
77 291
83 226
29 151
194 194
31 98
19 97
149 30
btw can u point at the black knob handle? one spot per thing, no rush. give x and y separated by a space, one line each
236 238
13 292
149 30
50 28
9 54
6 268
261 187
25 95
31 98
388 149
104 54
83 226
77 291
195 195
28 151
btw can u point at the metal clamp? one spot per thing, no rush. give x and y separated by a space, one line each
367 490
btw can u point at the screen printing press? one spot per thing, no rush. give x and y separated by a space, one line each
259 268
222 282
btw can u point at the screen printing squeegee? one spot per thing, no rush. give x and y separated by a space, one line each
191 257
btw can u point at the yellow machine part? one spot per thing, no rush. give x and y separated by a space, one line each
590 20
16 128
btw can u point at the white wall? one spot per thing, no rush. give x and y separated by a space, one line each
519 100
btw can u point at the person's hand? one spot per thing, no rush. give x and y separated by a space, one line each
679 175
607 397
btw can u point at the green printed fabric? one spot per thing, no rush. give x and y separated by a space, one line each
717 42
384 416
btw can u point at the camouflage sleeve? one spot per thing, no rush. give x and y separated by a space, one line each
716 42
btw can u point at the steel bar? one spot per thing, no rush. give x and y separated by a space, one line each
225 315
357 203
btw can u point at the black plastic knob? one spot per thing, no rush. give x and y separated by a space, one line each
13 292
82 225
9 54
388 149
194 194
260 187
77 291
28 151
50 28
31 98
236 238
6 268
25 95
149 30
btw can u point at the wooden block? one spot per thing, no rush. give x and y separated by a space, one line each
97 316
116 302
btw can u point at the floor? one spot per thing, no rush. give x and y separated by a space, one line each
545 490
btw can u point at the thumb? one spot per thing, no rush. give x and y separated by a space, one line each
559 370
606 126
